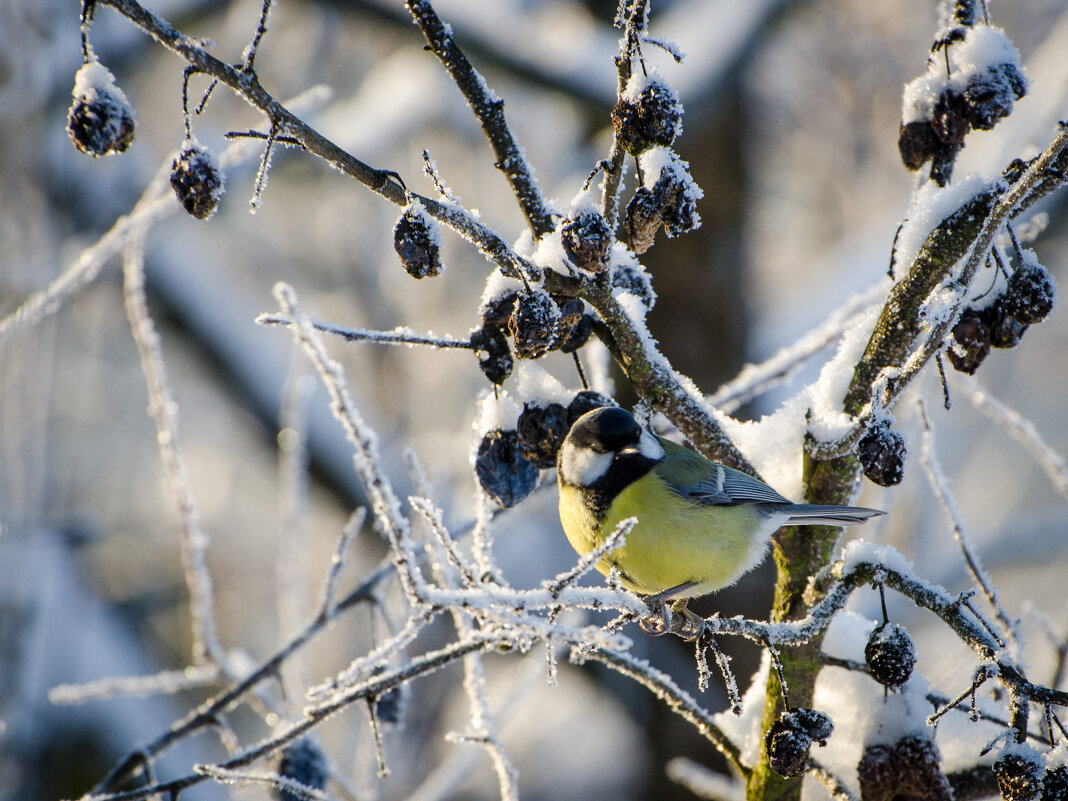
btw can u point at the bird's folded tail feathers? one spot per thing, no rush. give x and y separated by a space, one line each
804 514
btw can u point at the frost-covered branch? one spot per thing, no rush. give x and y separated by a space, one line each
163 410
382 182
489 109
1020 429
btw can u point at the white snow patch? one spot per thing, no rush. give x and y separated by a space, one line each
532 384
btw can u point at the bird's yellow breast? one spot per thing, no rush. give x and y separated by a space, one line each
674 542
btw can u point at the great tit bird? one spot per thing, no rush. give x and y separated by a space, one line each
701 525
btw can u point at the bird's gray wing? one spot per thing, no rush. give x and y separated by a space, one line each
709 484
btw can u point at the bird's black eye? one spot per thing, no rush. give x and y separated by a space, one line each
606 429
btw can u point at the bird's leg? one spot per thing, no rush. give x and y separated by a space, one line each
662 619
688 625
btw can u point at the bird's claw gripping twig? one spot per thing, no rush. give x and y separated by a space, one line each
673 618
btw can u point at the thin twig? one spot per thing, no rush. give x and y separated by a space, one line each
489 110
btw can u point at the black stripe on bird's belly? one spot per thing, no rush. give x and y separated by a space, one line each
625 470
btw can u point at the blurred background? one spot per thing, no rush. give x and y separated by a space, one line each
792 112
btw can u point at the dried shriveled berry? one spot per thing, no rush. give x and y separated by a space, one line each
1055 784
1005 330
908 770
950 119
574 327
990 95
1019 773
814 723
633 279
643 217
678 203
101 120
494 356
197 180
890 655
882 453
303 762
541 431
653 119
417 240
661 114
503 471
389 706
917 143
787 748
628 126
587 239
790 738
497 311
533 324
586 401
971 343
1031 293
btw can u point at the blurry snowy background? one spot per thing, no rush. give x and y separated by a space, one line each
791 125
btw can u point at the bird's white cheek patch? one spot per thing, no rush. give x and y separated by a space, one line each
650 448
583 466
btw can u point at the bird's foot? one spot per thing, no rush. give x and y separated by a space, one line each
673 618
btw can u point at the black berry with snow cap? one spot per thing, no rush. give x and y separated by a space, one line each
101 120
1019 774
890 655
505 474
882 453
197 180
971 343
989 95
1031 293
1055 784
788 741
541 431
533 324
586 239
677 202
416 240
586 401
303 762
661 114
494 356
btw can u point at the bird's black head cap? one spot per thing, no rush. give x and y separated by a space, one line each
606 429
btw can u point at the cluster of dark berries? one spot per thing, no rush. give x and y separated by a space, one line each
101 120
417 240
507 461
790 738
945 107
303 762
890 655
536 321
1019 771
197 180
882 453
649 117
671 203
587 239
1029 297
908 769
